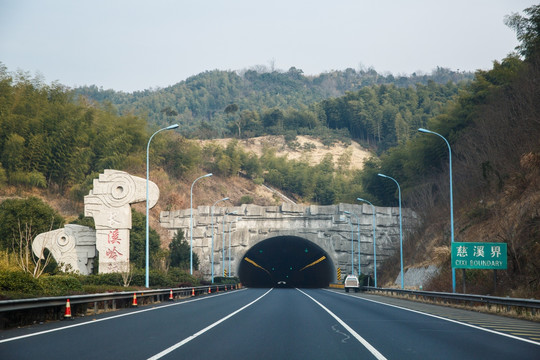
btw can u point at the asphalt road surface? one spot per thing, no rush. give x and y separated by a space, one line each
278 324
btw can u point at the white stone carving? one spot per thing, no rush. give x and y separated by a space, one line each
73 247
109 204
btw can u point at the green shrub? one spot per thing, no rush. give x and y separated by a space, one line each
18 281
60 285
181 278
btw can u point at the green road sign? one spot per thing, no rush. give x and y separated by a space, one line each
479 255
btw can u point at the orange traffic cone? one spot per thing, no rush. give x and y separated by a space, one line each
171 297
193 292
134 303
67 314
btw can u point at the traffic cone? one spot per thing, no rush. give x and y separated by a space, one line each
67 314
209 291
171 297
193 292
134 303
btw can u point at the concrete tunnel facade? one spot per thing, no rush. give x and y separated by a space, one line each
321 230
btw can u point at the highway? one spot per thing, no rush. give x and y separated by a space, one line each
279 323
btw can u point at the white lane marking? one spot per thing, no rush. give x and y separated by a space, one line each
367 345
90 322
442 318
209 327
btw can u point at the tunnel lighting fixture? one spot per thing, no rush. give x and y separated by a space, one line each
147 275
400 227
426 131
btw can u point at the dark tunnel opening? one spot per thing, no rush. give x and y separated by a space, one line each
286 261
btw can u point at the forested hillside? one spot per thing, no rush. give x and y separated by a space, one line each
201 101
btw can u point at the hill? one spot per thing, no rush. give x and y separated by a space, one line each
202 99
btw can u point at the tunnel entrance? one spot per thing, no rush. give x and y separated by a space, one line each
286 261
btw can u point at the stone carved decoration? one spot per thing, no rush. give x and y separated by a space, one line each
109 204
73 247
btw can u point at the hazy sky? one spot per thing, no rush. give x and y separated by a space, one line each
135 45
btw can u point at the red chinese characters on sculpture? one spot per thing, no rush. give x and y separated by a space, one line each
114 237
113 253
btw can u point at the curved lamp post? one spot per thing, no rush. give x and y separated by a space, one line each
358 230
352 243
374 240
400 227
212 249
191 223
422 130
223 241
170 127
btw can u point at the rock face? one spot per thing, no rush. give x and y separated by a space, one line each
325 226
73 247
109 204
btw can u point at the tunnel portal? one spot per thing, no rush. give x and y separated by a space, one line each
286 261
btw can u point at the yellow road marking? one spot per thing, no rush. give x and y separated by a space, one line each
314 263
255 264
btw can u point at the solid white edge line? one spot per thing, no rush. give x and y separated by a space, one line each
443 318
89 322
209 327
364 342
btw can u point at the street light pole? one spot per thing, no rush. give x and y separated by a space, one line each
229 273
422 130
352 243
358 233
212 249
191 223
170 127
400 226
223 241
374 240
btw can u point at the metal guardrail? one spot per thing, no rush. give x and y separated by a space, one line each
27 311
531 305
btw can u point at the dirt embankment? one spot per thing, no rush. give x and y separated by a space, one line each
304 148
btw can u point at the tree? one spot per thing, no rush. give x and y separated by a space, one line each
179 255
137 242
30 217
527 30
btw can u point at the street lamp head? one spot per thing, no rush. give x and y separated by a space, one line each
170 127
207 175
424 130
360 199
382 175
347 212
